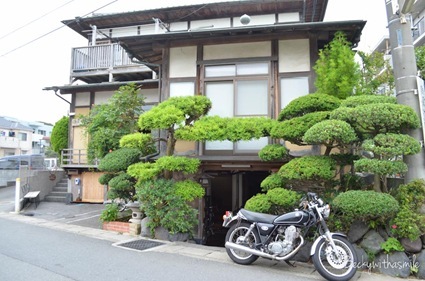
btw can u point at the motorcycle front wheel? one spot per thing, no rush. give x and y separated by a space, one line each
239 230
340 266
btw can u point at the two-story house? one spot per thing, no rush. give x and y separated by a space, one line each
251 58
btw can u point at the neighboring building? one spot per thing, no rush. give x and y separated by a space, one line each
23 137
248 66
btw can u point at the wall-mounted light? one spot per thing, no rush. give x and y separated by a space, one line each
245 19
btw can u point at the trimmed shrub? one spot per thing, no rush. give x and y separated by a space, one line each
368 206
165 208
275 201
409 223
258 203
272 181
273 152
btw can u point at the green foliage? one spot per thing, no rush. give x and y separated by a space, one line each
307 104
105 178
175 112
272 181
375 72
391 145
178 163
189 190
409 223
392 245
165 208
344 159
420 60
366 206
293 130
275 201
380 167
411 195
282 200
273 152
215 128
258 203
59 136
143 142
330 133
122 186
309 168
355 101
372 119
107 123
336 69
120 159
144 171
110 213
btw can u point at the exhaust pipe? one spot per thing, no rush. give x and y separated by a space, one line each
238 247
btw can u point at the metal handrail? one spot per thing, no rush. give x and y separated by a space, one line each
99 57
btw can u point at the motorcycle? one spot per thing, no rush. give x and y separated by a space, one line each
252 235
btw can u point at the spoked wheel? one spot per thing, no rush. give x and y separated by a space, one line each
234 235
333 266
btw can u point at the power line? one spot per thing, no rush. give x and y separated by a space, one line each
44 35
42 16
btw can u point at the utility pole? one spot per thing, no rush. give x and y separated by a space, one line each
405 74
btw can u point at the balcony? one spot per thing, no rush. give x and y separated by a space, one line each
76 158
419 33
106 63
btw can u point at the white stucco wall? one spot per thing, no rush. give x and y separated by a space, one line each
238 50
183 62
294 55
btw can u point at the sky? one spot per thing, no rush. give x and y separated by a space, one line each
35 47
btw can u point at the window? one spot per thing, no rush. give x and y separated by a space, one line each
238 90
178 89
292 88
22 136
42 132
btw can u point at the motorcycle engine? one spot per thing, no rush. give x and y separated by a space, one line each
284 242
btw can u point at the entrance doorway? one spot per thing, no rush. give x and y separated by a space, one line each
228 192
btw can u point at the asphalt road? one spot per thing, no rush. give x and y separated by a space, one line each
30 252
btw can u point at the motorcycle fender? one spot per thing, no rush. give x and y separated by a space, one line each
314 246
230 221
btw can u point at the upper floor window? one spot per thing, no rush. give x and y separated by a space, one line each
23 136
42 132
238 90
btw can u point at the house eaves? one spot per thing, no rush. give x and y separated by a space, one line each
309 10
109 86
148 48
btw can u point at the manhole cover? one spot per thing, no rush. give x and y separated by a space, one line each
141 244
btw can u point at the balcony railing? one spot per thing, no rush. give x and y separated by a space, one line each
99 57
418 29
76 158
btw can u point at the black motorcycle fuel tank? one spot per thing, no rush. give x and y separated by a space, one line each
297 218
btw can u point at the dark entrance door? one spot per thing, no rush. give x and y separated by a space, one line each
228 192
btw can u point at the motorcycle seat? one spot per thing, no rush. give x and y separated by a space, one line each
258 217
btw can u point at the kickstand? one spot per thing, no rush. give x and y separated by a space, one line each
291 264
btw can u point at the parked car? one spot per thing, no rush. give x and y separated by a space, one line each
14 162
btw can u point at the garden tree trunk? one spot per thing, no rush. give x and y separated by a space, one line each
171 144
377 183
328 150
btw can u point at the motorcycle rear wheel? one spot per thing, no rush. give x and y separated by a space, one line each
341 267
238 230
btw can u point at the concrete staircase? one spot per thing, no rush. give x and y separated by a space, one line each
59 192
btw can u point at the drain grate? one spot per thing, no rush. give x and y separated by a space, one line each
141 244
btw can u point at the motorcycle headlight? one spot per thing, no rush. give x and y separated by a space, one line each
326 211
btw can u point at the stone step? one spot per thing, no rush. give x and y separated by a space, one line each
59 189
65 197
